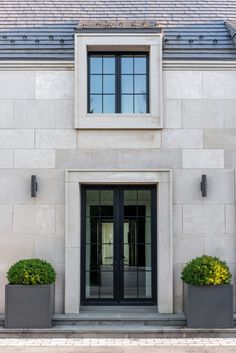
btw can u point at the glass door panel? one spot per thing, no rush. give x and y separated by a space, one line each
137 244
118 244
99 244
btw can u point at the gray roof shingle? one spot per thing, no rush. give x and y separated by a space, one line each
210 41
44 29
15 13
51 42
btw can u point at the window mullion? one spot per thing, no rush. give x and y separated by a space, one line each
118 84
147 85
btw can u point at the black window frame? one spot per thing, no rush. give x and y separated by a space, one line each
118 90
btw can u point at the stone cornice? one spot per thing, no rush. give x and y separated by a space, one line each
166 65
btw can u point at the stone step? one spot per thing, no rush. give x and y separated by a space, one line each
109 319
126 331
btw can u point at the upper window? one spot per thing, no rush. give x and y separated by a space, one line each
118 83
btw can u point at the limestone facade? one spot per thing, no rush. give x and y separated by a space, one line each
38 136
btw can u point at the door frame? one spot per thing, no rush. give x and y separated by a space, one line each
118 217
74 178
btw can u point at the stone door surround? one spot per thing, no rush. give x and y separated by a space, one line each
162 178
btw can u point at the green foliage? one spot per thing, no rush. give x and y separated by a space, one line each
206 270
31 272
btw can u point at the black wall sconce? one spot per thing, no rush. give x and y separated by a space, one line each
34 186
204 185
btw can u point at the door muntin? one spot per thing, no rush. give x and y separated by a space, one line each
118 252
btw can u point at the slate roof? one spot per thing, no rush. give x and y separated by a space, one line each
50 42
44 29
168 12
209 41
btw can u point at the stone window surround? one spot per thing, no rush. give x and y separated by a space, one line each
104 41
162 178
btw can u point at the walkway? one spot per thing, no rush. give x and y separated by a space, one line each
86 345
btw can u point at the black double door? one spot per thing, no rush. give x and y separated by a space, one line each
118 249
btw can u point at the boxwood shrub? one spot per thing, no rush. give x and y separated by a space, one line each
206 270
31 272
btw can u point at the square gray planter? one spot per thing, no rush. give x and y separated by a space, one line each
208 306
28 306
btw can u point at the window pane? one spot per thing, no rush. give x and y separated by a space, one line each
140 103
96 84
109 84
130 199
96 103
109 103
127 83
102 84
140 65
130 284
140 85
144 284
127 104
106 199
106 287
107 254
108 65
92 199
144 199
93 257
143 256
92 284
95 65
127 65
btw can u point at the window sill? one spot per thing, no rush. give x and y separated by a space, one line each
118 121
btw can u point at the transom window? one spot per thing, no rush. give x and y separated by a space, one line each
118 83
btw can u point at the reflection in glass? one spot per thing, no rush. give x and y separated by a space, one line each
144 198
144 284
96 103
95 65
140 85
106 287
124 78
130 197
91 286
109 248
108 84
127 102
99 243
127 65
131 285
137 244
127 83
96 84
107 256
140 64
140 103
109 103
108 64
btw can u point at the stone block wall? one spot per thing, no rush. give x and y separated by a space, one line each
36 118
37 136
200 118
